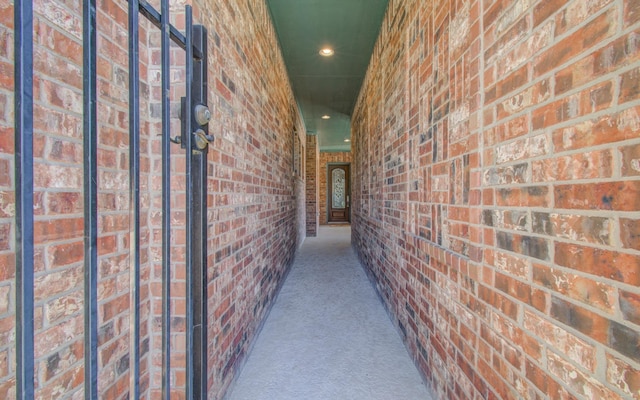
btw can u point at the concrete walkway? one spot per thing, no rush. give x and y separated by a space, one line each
328 336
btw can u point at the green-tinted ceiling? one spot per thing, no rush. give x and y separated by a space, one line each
327 85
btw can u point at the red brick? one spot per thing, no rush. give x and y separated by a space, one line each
630 160
623 376
67 382
58 229
58 335
526 245
7 266
613 265
6 138
519 290
65 254
616 126
7 204
578 381
582 228
6 73
498 301
6 173
545 8
5 299
581 319
576 13
510 263
8 389
5 236
618 196
531 196
537 376
630 233
631 12
587 101
585 290
629 86
598 29
625 340
590 165
630 306
575 349
56 282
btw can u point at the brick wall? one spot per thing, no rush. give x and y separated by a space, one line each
312 160
327 158
496 188
256 201
254 216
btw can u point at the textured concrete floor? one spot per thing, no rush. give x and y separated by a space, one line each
328 336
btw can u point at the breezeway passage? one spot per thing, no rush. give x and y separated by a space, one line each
328 336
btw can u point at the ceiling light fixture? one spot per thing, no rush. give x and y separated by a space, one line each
326 52
326 116
347 140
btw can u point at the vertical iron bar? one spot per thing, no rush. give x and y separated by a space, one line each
190 390
90 146
134 201
166 201
199 227
23 97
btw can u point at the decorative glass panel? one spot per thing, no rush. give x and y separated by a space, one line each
337 179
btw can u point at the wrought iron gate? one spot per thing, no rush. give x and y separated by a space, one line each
194 139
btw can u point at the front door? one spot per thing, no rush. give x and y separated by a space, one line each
338 189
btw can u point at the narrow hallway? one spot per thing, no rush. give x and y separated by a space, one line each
328 336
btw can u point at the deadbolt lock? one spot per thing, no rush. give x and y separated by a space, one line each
202 114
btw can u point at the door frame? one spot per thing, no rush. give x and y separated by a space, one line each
329 191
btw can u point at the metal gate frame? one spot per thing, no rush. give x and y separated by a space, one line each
194 114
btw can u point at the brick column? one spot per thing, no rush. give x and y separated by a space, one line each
312 185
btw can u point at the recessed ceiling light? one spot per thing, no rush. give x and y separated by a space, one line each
326 116
347 140
326 52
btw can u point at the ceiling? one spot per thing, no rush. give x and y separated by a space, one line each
327 85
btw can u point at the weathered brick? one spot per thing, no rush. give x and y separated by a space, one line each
575 227
618 196
544 9
577 380
631 12
530 196
630 233
576 349
576 13
630 306
588 291
6 173
609 264
629 86
630 160
625 340
596 30
623 376
594 165
526 245
581 319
